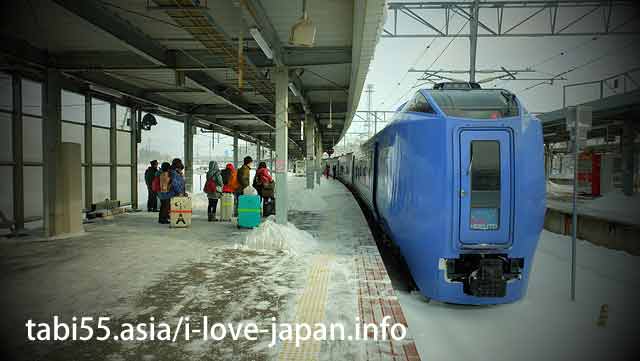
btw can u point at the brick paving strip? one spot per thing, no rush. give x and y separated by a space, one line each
376 299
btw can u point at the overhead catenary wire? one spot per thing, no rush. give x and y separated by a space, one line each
551 58
415 62
434 61
587 63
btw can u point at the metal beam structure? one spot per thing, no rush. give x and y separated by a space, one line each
88 153
188 153
193 59
18 159
491 18
52 139
473 39
100 16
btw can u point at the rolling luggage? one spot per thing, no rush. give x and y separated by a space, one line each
226 207
268 207
248 211
180 212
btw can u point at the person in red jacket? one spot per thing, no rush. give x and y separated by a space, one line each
263 181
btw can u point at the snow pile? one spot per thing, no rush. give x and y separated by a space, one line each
199 200
306 200
273 236
558 189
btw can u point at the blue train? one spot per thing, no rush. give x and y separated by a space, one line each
457 182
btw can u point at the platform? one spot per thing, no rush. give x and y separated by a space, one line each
133 268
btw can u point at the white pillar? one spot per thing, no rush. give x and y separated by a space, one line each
282 102
188 153
309 138
258 154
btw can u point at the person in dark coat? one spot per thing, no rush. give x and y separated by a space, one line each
244 180
164 195
149 174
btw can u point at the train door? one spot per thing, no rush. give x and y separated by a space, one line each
485 188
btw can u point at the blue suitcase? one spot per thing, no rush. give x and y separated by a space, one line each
249 211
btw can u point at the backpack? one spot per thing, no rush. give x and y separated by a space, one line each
226 175
209 186
155 184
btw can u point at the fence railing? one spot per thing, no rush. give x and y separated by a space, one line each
609 86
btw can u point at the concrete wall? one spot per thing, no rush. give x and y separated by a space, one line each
597 231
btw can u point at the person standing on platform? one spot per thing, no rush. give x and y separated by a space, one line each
262 181
165 197
230 180
177 178
149 174
213 188
244 179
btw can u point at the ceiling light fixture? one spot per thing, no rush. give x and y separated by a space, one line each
303 32
264 46
294 89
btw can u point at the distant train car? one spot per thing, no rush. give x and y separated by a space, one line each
457 182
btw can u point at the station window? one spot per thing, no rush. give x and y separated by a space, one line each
485 185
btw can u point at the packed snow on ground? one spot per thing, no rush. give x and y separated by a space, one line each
273 236
617 203
545 325
559 189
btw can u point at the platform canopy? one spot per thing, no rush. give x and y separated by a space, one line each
184 57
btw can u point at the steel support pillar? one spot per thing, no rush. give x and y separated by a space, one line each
282 128
628 136
309 136
318 170
473 39
235 149
52 136
136 117
18 159
88 153
188 153
271 159
113 156
258 154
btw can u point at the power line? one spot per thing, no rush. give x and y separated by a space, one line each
552 57
434 61
424 51
589 62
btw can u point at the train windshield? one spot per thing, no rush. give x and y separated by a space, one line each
477 103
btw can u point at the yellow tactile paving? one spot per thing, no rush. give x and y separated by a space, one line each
310 310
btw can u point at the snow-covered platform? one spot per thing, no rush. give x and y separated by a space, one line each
132 268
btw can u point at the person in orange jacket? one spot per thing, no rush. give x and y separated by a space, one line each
231 185
230 179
